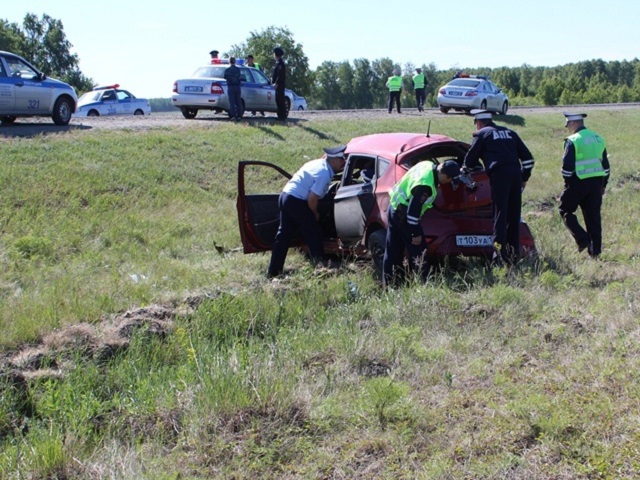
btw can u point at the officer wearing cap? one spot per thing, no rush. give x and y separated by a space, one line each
298 204
419 83
509 163
410 198
585 169
394 84
278 79
214 55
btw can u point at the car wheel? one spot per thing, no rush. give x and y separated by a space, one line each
483 105
138 112
505 107
7 119
62 111
376 244
93 113
444 109
189 112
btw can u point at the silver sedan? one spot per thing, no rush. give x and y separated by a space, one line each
472 91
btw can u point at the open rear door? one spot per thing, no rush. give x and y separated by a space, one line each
259 186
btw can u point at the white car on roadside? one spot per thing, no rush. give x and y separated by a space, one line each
111 100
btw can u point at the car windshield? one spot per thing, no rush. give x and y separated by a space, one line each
89 97
210 72
464 82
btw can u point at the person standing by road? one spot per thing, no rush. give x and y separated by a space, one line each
394 84
233 76
509 163
585 170
419 84
298 204
410 198
278 79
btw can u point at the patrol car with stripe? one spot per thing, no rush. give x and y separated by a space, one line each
111 100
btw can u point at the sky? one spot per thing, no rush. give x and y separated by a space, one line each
145 45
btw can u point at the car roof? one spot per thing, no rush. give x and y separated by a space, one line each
389 145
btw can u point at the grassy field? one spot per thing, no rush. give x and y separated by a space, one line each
138 342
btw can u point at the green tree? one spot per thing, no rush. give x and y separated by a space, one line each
42 41
261 45
364 79
327 88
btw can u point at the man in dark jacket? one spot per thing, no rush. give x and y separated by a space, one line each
278 79
508 162
233 76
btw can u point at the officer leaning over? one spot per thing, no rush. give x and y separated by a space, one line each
298 204
508 162
410 198
585 169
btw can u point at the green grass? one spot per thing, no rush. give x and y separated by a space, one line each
528 374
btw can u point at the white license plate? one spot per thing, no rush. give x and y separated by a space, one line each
193 89
455 94
474 240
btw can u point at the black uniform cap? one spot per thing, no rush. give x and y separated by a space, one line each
278 51
451 169
213 52
337 152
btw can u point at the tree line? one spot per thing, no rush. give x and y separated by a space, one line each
352 84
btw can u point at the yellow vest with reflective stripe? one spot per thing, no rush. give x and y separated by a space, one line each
418 80
395 83
589 147
421 174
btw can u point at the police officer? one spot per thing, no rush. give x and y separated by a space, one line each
233 76
394 84
214 56
410 198
508 162
418 85
298 204
585 169
278 79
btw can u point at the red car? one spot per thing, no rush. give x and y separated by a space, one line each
353 215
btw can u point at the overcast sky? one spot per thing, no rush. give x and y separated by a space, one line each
146 45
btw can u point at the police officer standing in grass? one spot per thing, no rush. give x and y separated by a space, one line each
410 198
394 84
508 162
278 79
419 84
585 169
298 204
233 76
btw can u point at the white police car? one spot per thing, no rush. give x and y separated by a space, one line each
27 92
207 90
468 92
111 100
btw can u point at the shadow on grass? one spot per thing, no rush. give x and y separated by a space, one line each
33 129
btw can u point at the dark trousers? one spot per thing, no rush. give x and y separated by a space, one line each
235 101
586 194
394 97
295 216
280 104
506 197
421 97
399 239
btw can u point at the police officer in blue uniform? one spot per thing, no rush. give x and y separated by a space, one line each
585 170
410 198
298 204
508 162
278 79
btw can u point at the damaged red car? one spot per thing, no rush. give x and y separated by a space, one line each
353 215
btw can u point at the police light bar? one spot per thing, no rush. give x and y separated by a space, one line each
240 61
116 85
219 61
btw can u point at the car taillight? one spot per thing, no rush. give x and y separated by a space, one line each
473 93
216 88
443 91
175 87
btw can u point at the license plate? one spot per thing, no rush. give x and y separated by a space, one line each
193 89
455 93
474 240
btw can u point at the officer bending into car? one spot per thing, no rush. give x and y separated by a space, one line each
410 198
298 204
509 163
585 169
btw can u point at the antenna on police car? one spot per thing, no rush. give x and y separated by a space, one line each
428 128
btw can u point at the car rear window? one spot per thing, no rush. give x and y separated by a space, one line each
210 72
464 82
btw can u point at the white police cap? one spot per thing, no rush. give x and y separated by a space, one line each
337 152
479 114
573 116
